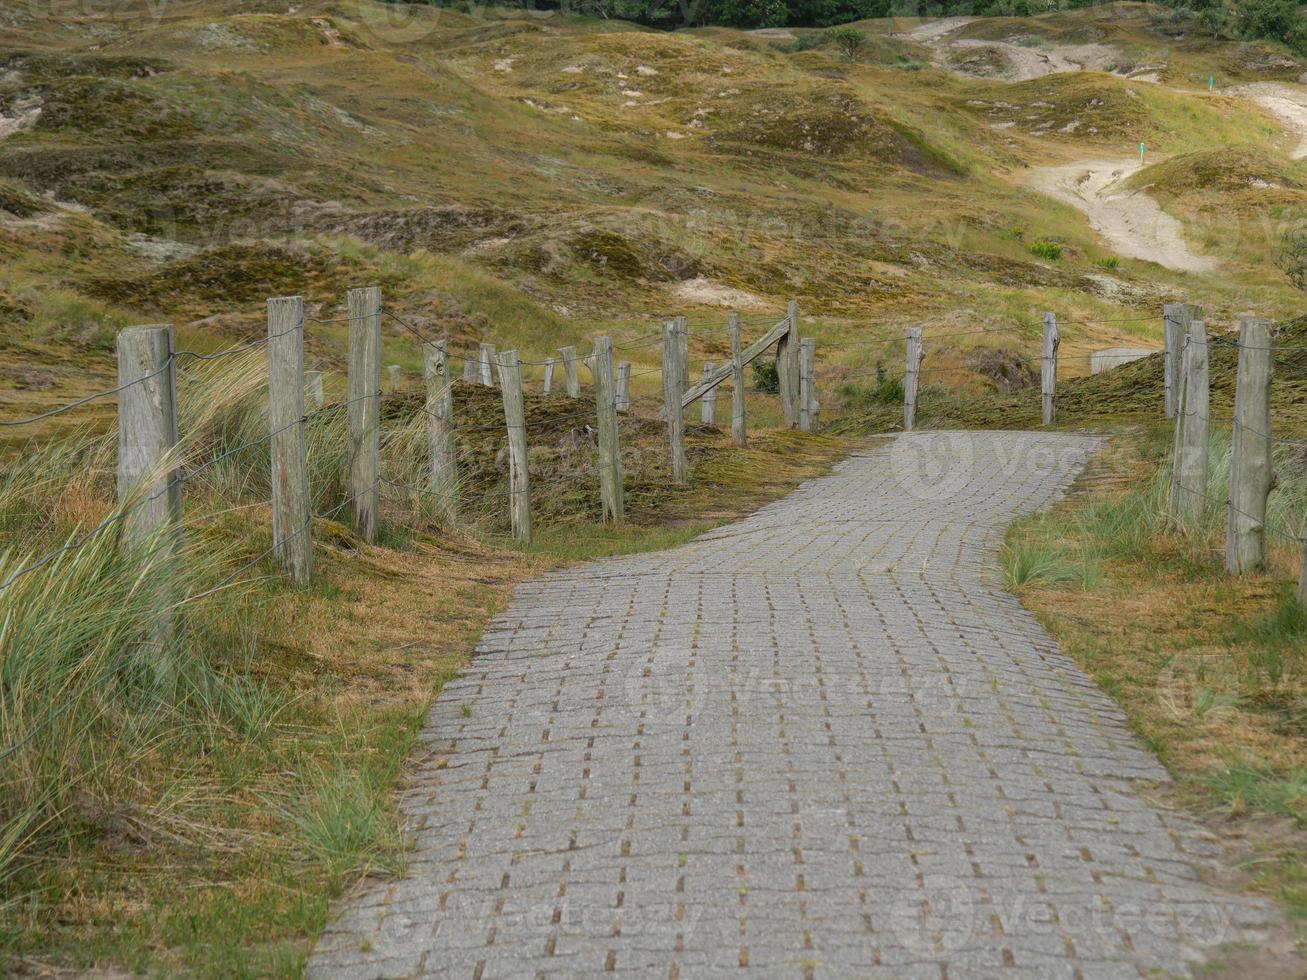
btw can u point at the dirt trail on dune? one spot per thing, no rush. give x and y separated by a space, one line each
1286 103
1130 221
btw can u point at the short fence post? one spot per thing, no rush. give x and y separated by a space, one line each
1189 460
624 386
708 403
487 356
787 367
549 375
1251 473
392 377
739 427
313 389
571 378
911 376
470 368
292 515
519 485
610 460
807 400
440 422
672 399
365 408
1048 368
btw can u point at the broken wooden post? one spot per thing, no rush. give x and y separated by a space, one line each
610 460
1048 368
519 486
571 378
440 424
1251 472
487 365
292 514
672 399
739 427
1189 459
787 367
911 375
708 403
807 399
624 386
313 393
364 409
549 375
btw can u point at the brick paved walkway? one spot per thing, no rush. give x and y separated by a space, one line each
821 741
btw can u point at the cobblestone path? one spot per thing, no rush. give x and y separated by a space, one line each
822 741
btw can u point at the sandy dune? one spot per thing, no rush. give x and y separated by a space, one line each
1287 103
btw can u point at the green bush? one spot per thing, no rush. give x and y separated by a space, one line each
849 40
1110 262
766 378
1046 250
885 391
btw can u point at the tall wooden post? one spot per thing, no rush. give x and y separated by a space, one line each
313 393
1251 473
911 375
519 484
488 365
807 397
739 426
708 403
624 386
1189 462
292 515
571 377
787 367
683 339
440 423
549 375
610 460
672 400
1048 368
364 409
1172 341
147 431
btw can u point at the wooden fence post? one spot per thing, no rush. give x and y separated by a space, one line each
519 484
392 377
440 422
147 430
672 399
1172 342
787 367
610 459
549 375
487 358
807 398
470 369
1251 472
708 403
683 339
292 514
313 389
1048 368
624 386
911 375
739 426
1189 461
571 378
365 408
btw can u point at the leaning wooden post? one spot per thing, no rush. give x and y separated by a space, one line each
571 378
549 375
787 367
487 354
440 423
739 427
807 400
1048 368
1251 472
672 400
708 403
364 409
610 460
1189 466
519 485
292 515
624 386
313 393
911 375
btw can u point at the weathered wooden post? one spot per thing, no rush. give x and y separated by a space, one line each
549 375
610 459
487 365
292 514
1048 368
1172 341
672 399
1189 462
519 484
787 367
624 386
392 377
739 426
147 431
807 399
364 409
683 339
708 403
571 378
1251 472
440 423
313 392
911 375
469 369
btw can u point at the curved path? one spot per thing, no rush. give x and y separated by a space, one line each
821 741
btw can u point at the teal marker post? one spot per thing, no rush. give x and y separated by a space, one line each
1211 82
1141 152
